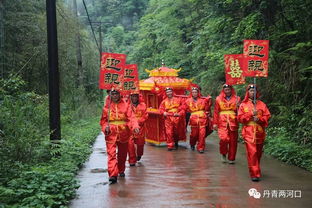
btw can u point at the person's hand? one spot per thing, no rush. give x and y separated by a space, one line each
136 130
176 115
215 126
107 130
165 113
207 113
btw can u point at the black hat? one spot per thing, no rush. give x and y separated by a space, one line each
251 87
226 86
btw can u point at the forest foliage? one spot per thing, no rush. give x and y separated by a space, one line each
24 121
195 34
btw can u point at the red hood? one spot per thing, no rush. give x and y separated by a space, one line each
141 98
246 93
193 85
222 94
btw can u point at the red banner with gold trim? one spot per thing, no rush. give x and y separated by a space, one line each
112 70
233 69
130 78
256 57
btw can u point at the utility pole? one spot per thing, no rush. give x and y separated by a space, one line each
54 94
2 38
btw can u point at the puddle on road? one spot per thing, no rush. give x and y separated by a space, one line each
98 170
102 183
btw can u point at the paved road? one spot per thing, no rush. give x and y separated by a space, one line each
185 178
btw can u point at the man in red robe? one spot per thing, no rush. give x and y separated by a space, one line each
116 121
225 121
199 108
171 109
137 141
254 115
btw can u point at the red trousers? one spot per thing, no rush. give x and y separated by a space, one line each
228 142
198 135
135 148
116 160
254 152
171 128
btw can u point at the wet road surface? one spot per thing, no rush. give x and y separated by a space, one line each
185 178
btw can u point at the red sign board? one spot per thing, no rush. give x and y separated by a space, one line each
130 78
256 57
233 69
112 70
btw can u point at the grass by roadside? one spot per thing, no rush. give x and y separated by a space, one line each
53 183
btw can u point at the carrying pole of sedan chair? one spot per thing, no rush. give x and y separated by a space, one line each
255 95
109 105
236 103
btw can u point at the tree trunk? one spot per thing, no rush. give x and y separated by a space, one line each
78 48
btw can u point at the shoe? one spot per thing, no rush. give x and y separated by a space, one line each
131 165
139 158
256 179
192 147
223 158
231 161
201 151
113 179
122 175
176 145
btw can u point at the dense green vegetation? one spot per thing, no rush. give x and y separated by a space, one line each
34 172
49 181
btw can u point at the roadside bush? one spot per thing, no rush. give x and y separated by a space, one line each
52 183
279 145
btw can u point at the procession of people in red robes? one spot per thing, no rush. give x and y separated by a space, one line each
123 124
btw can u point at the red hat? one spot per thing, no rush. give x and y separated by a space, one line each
135 92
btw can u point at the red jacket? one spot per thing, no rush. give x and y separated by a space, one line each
121 118
171 106
225 112
140 112
253 132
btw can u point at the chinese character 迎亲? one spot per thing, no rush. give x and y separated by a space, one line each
254 50
129 85
128 73
111 78
258 65
112 64
115 78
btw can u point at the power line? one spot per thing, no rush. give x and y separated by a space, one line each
85 6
